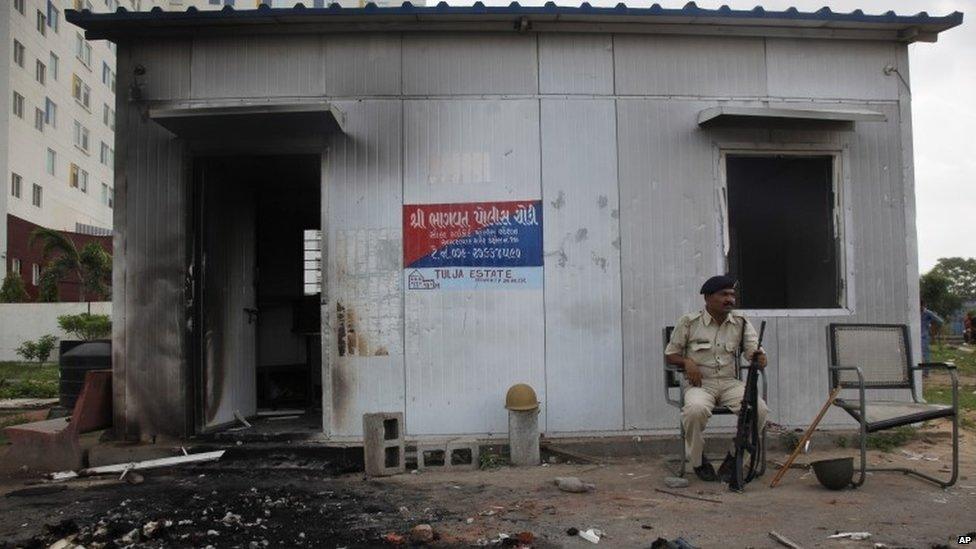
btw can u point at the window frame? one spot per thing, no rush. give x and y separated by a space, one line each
843 224
40 72
20 54
50 112
53 65
16 185
39 119
18 104
15 265
35 274
51 162
21 7
37 195
41 23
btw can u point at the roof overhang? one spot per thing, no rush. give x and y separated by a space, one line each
125 25
294 122
785 118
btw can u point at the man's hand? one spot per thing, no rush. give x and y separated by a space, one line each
760 358
693 372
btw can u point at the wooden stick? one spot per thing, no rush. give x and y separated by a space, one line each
784 540
680 495
804 439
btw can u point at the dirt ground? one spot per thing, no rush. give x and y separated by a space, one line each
237 503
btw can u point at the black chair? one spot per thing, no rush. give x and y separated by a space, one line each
674 378
878 356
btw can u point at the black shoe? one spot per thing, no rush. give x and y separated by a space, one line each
727 468
706 472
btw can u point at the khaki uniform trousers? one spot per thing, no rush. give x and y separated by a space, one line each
699 401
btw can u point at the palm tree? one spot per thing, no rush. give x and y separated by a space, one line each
92 265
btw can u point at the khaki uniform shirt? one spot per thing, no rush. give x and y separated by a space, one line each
700 337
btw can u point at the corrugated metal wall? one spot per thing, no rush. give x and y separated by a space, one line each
150 376
600 128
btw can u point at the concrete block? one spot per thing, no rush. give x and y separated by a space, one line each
384 451
450 455
523 437
463 455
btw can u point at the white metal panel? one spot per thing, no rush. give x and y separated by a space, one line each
831 69
362 305
257 66
469 64
357 64
471 150
464 348
576 63
584 371
149 375
167 65
669 225
689 65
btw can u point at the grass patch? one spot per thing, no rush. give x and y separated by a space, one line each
965 362
887 441
29 370
28 380
942 394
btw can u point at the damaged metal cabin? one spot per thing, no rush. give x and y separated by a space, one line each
411 209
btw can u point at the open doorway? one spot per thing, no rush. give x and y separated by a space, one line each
257 291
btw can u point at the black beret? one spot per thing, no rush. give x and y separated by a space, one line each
717 284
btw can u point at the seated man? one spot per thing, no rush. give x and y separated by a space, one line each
706 344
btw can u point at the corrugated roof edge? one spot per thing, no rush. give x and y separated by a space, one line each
104 24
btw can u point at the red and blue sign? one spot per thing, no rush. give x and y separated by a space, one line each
475 245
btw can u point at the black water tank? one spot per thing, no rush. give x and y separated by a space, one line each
90 355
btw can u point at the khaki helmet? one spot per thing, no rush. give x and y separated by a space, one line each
521 397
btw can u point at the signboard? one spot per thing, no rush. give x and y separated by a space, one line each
476 245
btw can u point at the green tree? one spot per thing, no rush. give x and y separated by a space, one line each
936 291
961 272
92 265
13 290
86 326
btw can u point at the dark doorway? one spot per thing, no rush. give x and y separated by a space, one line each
257 330
785 248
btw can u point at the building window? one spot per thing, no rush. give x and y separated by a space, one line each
36 195
50 112
38 119
107 155
795 222
108 116
35 274
54 62
19 53
41 23
83 49
52 162
53 17
80 91
105 194
81 136
15 265
111 197
73 175
83 181
18 105
312 271
108 76
40 72
19 6
16 181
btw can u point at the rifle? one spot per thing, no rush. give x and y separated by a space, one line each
748 434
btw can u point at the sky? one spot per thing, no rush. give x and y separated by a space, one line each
943 84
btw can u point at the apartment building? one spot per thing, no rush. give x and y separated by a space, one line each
58 131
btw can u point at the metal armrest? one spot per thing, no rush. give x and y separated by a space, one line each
934 366
680 401
860 381
947 366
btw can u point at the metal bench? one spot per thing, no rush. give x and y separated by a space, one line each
674 379
878 356
53 445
